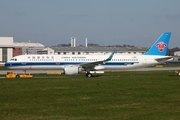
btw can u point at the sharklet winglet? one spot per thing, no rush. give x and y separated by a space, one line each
111 56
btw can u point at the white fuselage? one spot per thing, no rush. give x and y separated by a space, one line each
53 62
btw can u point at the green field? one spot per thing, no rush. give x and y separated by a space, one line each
110 96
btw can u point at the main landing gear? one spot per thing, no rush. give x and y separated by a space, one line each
88 74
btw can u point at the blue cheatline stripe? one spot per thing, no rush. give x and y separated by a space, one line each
15 64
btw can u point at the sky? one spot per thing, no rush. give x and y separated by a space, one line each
103 22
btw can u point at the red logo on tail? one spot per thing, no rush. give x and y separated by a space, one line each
161 46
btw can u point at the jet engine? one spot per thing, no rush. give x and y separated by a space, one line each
99 67
72 69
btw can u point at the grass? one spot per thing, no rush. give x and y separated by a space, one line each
3 68
117 95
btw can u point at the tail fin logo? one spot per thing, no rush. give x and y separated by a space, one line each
161 46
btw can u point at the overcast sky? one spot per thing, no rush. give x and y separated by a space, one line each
104 22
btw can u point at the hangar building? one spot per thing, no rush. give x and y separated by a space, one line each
22 48
82 50
6 49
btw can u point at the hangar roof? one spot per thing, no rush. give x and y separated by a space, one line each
98 48
6 42
29 44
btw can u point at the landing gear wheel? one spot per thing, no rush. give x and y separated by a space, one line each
17 76
88 75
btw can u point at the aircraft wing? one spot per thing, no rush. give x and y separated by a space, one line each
90 65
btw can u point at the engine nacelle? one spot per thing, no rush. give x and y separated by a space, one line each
99 67
72 69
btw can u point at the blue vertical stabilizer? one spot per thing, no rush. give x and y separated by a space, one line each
160 46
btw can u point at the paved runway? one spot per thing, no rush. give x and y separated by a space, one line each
45 71
154 69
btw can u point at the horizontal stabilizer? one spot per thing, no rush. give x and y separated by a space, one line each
164 59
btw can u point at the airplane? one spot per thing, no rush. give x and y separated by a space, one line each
74 64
